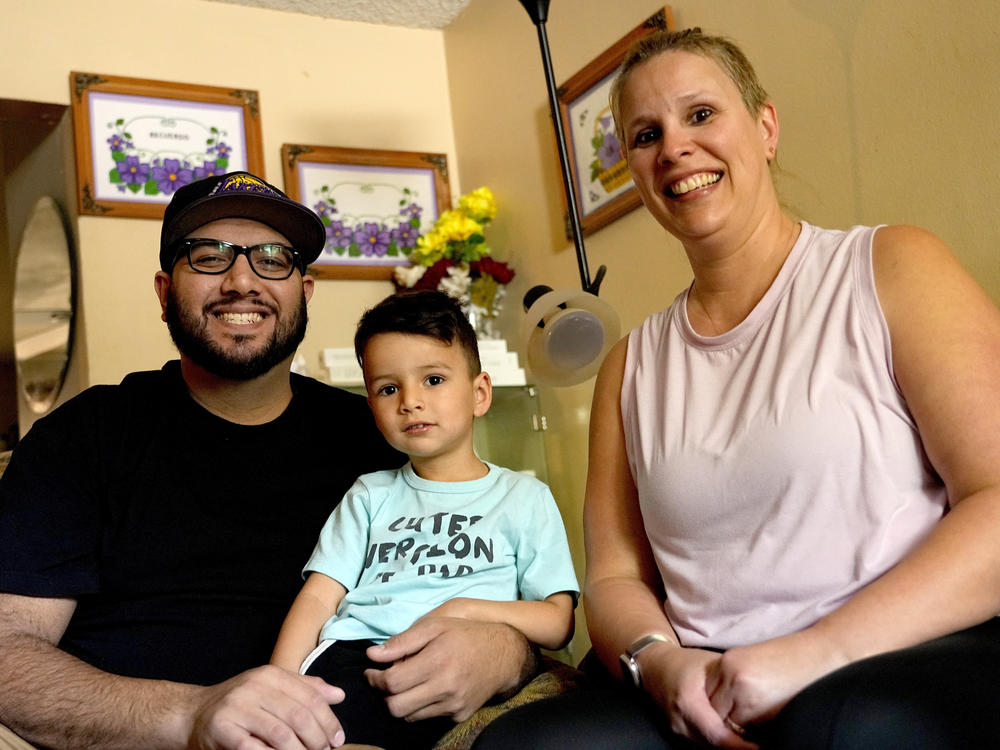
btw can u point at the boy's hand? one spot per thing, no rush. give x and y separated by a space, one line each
447 666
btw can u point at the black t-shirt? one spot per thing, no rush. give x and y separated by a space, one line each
181 535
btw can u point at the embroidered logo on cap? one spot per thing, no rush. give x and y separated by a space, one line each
242 183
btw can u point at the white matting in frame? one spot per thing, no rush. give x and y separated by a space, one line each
187 140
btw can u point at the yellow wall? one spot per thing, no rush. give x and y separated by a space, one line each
888 111
321 81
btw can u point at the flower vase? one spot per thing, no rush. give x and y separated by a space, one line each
484 318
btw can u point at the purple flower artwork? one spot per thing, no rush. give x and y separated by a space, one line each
608 165
338 235
153 172
170 175
132 171
372 239
405 235
367 236
609 153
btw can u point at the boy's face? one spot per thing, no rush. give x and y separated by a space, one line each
424 399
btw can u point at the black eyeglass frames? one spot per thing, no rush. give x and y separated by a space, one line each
269 260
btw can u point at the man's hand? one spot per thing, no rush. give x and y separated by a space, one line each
448 666
268 707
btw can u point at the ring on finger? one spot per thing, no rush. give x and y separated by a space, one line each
734 727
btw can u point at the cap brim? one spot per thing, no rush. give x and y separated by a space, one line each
300 226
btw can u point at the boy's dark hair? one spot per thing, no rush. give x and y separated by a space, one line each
422 312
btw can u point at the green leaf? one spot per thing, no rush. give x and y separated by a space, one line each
415 223
222 163
209 141
476 239
118 155
119 122
597 141
115 177
214 130
152 188
354 251
135 188
127 135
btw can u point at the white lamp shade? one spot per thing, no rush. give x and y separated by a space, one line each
577 330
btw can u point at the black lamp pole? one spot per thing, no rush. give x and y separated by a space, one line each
538 10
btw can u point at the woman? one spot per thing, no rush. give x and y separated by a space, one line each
809 438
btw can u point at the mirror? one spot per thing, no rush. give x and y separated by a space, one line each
43 306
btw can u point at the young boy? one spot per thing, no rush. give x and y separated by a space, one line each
446 535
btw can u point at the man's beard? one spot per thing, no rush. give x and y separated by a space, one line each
240 362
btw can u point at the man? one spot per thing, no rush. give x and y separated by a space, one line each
152 533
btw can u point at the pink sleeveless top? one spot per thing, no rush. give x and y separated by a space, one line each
777 465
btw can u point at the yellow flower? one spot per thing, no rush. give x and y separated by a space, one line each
455 226
479 205
430 248
457 234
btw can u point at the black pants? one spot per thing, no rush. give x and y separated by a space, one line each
941 695
363 713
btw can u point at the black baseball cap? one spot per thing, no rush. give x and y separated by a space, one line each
239 195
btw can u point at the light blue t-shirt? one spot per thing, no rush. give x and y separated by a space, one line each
401 545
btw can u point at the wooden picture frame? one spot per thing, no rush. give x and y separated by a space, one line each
382 198
138 140
603 185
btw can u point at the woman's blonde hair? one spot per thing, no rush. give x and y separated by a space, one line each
720 50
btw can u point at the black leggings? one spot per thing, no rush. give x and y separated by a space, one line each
940 695
364 714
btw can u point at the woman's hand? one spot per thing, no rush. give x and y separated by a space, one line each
676 678
750 685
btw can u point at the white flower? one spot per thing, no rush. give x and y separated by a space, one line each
408 275
456 283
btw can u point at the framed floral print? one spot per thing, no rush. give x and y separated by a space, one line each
373 203
604 188
138 140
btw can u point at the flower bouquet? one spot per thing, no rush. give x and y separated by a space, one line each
453 257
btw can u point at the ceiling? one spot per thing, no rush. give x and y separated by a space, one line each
421 14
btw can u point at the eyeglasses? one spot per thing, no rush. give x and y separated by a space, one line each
269 260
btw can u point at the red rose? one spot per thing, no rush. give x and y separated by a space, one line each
433 275
486 265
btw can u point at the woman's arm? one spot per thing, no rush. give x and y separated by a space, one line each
316 603
623 593
547 623
946 355
945 336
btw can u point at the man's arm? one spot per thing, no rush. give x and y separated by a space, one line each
54 699
446 666
547 623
